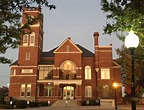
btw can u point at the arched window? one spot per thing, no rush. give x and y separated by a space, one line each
88 91
87 72
32 39
67 70
25 40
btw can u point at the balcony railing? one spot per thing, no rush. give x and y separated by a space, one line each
67 76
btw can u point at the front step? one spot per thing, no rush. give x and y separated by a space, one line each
65 103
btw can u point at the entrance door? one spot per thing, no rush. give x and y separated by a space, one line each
68 92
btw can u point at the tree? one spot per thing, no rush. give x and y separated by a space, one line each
123 16
3 91
125 61
10 25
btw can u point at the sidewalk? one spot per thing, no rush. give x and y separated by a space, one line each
120 107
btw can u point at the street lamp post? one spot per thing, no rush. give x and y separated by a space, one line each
115 86
131 42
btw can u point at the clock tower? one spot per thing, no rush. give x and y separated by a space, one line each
31 43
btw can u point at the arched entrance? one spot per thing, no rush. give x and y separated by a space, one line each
68 92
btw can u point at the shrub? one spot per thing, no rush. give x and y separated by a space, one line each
33 104
3 106
44 103
91 102
21 104
2 100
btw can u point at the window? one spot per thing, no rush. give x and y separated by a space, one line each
87 72
32 39
105 73
67 48
106 91
27 56
13 71
49 90
88 91
60 91
28 90
22 91
67 70
25 40
45 72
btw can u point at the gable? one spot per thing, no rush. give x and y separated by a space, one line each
68 47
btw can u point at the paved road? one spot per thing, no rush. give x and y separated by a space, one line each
120 107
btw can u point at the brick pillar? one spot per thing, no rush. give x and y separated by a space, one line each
79 73
54 72
45 89
57 73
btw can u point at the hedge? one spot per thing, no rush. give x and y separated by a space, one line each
44 103
3 106
21 104
34 104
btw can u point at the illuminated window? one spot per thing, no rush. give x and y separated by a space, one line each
87 72
28 90
105 73
25 40
88 91
22 91
45 72
27 71
27 56
67 70
32 39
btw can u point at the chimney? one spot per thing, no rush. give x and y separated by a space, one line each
96 35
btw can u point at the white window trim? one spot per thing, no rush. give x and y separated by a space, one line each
105 73
22 86
32 39
28 86
27 56
25 40
87 72
13 72
88 91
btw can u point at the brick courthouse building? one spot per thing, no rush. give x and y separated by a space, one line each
68 71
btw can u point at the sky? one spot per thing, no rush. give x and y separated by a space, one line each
77 19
